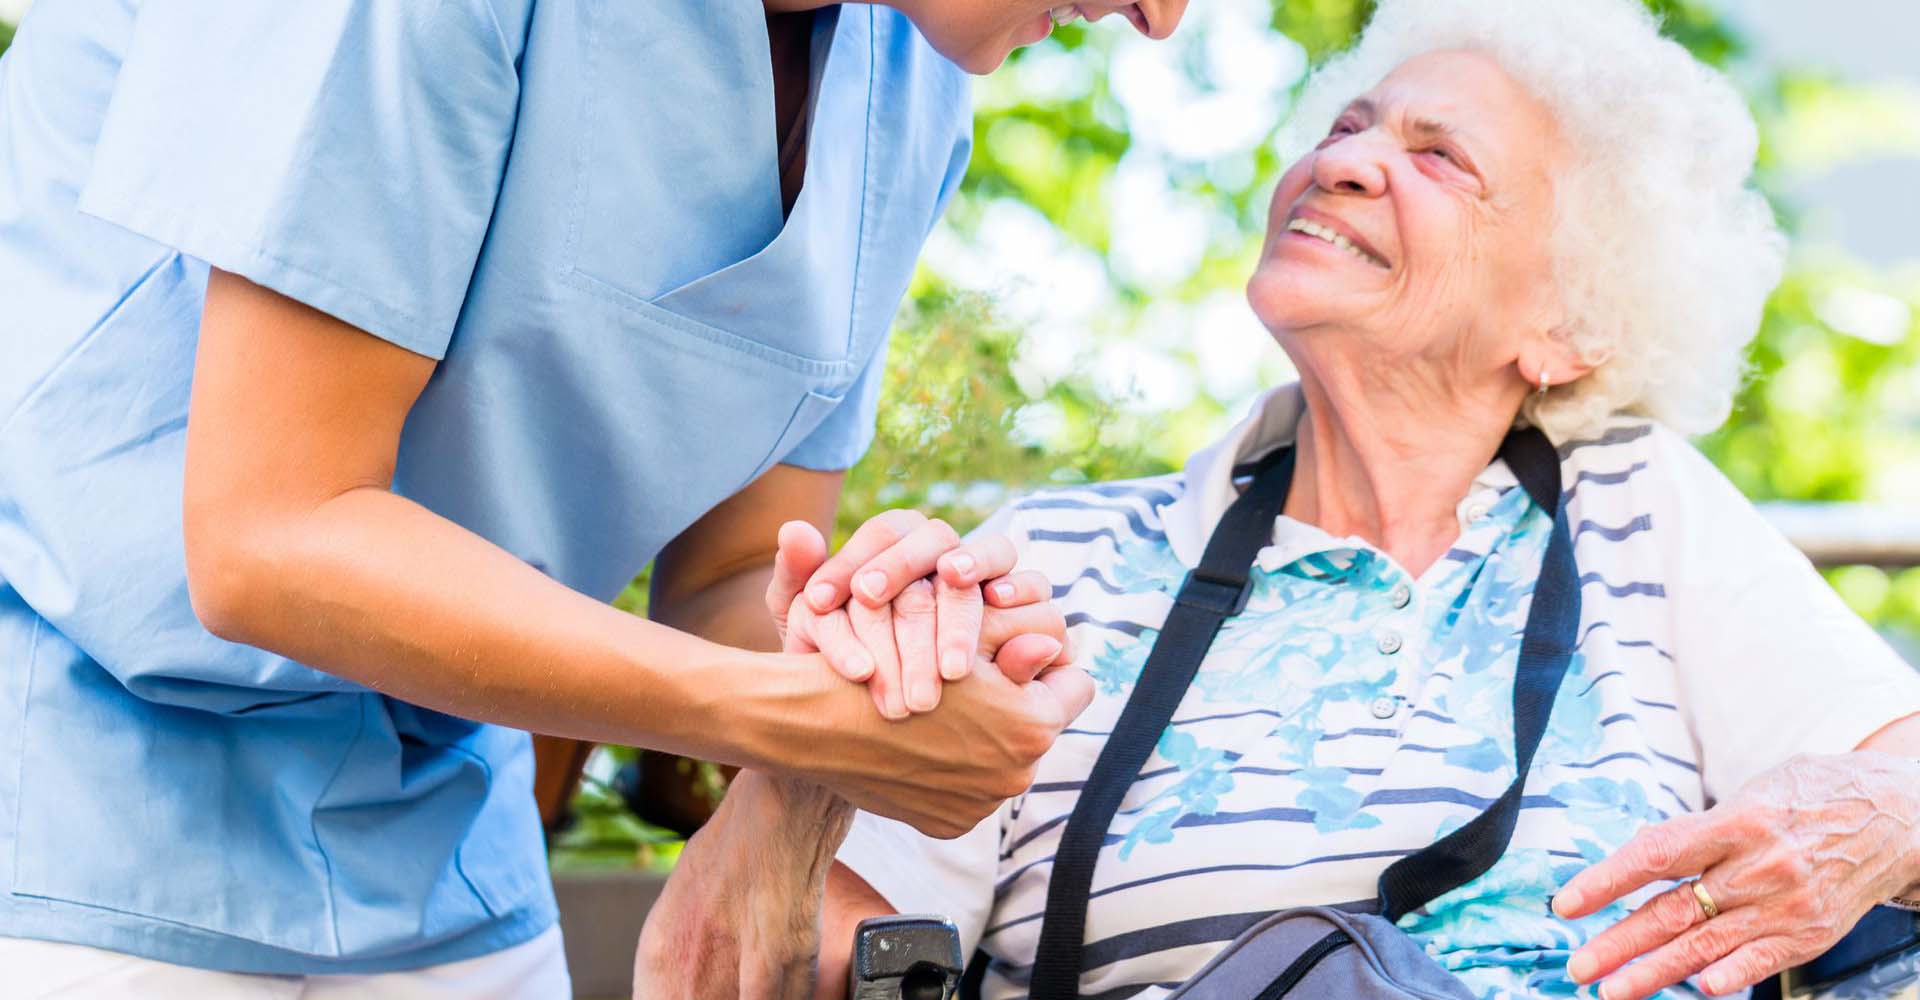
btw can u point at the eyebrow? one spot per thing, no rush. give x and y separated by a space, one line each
1432 128
1419 127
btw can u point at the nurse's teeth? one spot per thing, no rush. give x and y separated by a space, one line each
1323 233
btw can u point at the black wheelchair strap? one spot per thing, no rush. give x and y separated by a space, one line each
1217 590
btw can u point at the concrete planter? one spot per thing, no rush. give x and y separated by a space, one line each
600 915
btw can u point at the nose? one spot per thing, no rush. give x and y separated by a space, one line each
1163 16
1350 166
1156 19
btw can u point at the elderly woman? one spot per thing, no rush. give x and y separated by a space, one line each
1514 213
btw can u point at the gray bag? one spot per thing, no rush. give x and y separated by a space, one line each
1328 953
1312 952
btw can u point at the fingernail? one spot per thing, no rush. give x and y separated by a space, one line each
1052 647
1711 983
820 595
920 697
861 665
1608 990
1580 967
873 584
1003 592
1565 901
953 664
963 565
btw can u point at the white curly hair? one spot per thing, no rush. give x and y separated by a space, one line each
1663 252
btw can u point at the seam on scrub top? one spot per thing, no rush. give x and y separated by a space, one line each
866 190
589 72
73 350
20 762
500 35
459 865
333 910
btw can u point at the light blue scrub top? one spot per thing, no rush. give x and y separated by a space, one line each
576 205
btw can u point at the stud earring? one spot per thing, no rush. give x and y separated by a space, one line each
1546 381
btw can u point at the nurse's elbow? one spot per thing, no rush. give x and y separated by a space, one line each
225 577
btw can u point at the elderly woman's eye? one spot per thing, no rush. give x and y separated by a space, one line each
1340 130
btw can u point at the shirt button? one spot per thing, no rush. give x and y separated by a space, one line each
1389 643
1476 511
1402 596
1384 706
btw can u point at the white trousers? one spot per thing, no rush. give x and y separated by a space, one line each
46 970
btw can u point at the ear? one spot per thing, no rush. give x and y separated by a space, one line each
1552 358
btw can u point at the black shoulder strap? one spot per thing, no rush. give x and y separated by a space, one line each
1217 590
1546 647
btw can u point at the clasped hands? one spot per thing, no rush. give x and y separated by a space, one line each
906 606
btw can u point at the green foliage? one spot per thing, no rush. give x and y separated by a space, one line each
1322 27
605 834
957 433
6 36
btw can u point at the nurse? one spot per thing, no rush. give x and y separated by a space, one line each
354 354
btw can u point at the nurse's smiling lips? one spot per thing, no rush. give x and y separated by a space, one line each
1047 21
978 35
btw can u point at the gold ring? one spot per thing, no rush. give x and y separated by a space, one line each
1707 905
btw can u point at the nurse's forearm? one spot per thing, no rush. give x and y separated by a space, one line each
375 588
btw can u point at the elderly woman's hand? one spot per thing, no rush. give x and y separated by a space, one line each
1792 861
930 608
740 917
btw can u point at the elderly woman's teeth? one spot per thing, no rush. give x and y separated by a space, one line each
1321 232
1064 15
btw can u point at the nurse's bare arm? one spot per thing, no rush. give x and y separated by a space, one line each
295 543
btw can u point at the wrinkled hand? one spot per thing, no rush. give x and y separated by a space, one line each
929 608
1793 860
740 917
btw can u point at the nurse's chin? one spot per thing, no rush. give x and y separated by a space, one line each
987 56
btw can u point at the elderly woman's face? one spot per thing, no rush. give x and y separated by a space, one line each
1420 222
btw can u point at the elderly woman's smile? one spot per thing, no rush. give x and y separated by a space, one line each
1420 223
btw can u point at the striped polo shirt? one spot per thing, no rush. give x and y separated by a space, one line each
1355 712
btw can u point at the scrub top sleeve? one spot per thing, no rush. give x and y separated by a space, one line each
344 154
956 170
846 433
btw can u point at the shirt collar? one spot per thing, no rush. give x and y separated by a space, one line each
1210 489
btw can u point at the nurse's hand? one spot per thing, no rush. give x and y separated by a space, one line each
940 772
964 608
